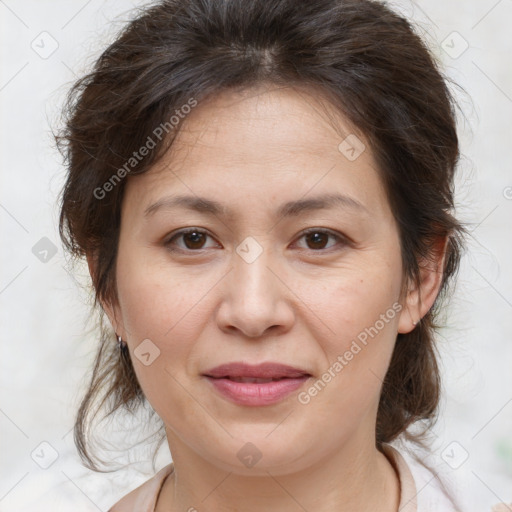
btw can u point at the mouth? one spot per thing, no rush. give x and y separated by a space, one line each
259 385
250 380
265 372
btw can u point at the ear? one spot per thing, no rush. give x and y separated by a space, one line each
113 313
418 301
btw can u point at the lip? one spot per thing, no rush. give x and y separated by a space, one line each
268 370
287 380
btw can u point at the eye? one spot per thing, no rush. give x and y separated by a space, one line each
318 238
193 239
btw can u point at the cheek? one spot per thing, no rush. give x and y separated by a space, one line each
157 301
344 396
166 306
356 300
361 312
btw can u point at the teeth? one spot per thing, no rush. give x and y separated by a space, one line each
252 380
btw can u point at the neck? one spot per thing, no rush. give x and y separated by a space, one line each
351 479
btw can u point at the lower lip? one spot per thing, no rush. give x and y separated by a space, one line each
257 394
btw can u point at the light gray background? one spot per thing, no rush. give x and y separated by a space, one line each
46 350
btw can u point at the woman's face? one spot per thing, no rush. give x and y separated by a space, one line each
252 287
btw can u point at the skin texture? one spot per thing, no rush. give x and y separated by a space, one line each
300 303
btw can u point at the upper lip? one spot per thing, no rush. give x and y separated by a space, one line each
264 371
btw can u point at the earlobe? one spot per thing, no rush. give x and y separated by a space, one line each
420 299
410 313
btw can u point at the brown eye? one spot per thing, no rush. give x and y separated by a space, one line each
193 240
318 239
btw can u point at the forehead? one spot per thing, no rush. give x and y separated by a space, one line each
278 141
277 118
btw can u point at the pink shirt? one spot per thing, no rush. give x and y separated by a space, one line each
429 498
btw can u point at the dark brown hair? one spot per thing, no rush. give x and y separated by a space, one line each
370 65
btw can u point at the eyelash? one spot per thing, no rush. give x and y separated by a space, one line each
344 240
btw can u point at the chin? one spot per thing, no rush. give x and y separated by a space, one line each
259 456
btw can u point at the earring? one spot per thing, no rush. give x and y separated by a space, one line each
120 342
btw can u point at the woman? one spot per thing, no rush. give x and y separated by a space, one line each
264 195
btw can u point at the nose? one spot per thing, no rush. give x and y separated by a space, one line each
256 299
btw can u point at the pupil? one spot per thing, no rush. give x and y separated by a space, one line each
195 237
317 238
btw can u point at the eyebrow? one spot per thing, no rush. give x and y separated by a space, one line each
289 209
